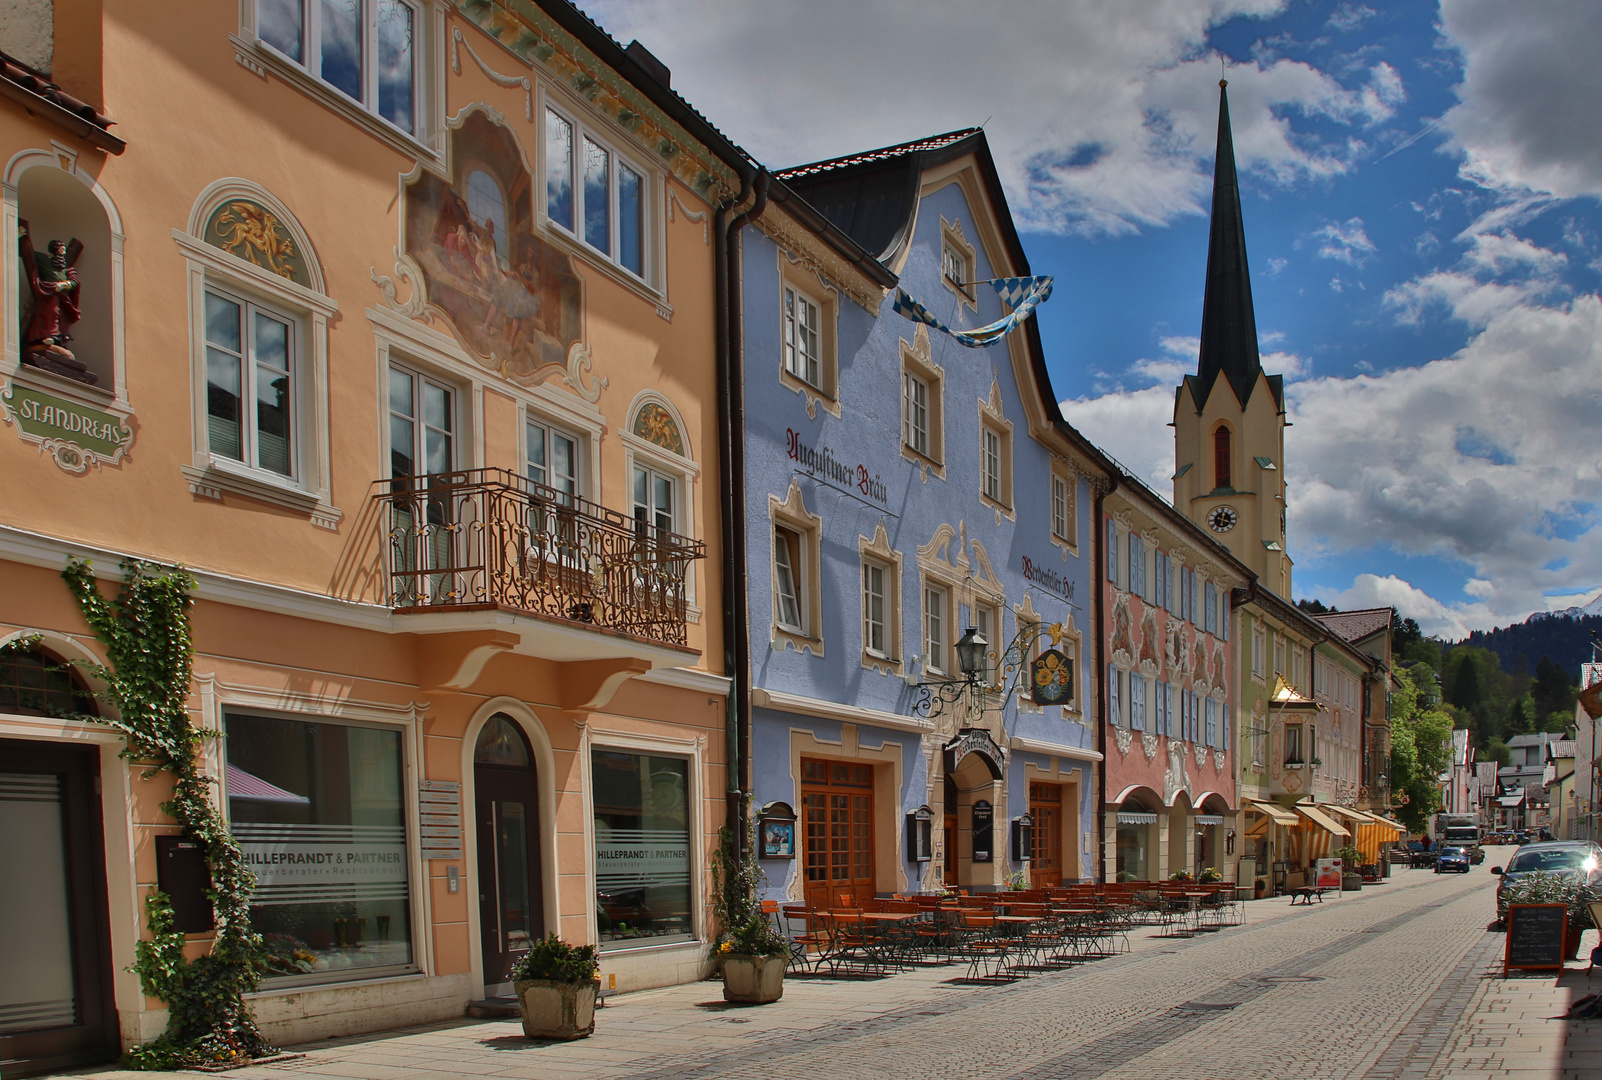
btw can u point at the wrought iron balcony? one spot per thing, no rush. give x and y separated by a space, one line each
489 537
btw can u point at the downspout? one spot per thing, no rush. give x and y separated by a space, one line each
731 463
1099 546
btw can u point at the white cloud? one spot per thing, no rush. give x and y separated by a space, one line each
1465 297
1527 116
1101 116
1481 458
1345 242
1349 17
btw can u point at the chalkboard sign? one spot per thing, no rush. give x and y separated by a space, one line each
983 831
1535 936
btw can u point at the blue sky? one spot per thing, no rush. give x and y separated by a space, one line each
1420 183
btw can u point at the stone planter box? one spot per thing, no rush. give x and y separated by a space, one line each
754 980
1351 882
553 1010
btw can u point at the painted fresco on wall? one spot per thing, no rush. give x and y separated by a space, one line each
513 299
247 229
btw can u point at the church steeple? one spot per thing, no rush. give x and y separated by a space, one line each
1229 326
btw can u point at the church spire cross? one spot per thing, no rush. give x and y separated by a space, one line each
1229 326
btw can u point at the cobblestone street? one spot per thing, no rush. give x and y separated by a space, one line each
1402 980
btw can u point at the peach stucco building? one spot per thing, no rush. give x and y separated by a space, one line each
397 327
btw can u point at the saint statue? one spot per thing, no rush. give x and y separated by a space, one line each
50 305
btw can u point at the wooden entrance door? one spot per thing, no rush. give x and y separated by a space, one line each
56 1008
1045 857
837 829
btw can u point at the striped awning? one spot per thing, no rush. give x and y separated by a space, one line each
1278 813
1322 820
1130 817
1209 819
243 785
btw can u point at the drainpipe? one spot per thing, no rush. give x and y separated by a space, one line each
1098 545
731 466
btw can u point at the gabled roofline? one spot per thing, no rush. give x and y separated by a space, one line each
781 194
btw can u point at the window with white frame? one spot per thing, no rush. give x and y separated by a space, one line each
251 382
655 503
1259 644
987 622
1062 508
954 266
803 337
368 50
995 460
990 462
1279 656
915 413
936 627
595 193
1293 744
878 599
789 566
922 421
552 457
422 423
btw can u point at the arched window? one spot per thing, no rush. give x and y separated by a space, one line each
39 683
1221 475
501 743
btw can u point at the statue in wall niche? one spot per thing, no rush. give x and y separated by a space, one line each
49 304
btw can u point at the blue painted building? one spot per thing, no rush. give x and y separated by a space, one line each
899 489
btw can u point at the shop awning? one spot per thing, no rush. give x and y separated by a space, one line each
1279 814
1130 817
1509 801
1343 813
242 785
1209 819
1394 826
1317 816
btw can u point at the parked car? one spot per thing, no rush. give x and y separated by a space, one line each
1577 858
1452 860
1521 837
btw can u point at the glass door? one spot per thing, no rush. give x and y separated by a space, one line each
53 924
510 894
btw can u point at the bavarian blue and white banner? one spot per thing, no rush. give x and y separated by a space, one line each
1022 294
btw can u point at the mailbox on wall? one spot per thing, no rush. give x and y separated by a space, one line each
920 835
984 829
1023 838
182 874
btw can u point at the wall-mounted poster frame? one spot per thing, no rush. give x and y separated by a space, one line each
776 831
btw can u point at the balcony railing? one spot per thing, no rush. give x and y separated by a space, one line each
480 537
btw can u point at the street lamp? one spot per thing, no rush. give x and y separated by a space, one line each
971 654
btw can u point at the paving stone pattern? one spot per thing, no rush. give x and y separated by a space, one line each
1401 981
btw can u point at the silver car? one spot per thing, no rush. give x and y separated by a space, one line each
1575 858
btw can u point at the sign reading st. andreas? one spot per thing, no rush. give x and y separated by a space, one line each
76 435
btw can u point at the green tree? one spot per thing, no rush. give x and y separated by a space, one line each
1496 750
1421 734
1520 717
1552 693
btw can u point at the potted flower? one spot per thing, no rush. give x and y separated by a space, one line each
1017 881
1180 875
556 989
1210 875
1554 887
1350 857
753 955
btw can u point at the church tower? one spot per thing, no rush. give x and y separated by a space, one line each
1229 417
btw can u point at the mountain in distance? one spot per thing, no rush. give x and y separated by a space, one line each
1564 635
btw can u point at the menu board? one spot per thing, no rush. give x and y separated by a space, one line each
1329 874
1535 936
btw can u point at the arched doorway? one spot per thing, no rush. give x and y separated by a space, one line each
54 925
1135 841
510 890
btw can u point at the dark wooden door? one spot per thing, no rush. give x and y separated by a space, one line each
1045 857
56 1006
837 831
510 893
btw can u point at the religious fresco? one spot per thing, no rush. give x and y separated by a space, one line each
513 299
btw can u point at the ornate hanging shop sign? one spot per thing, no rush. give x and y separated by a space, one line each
75 435
1051 678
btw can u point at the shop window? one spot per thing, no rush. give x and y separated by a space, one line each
319 813
642 848
367 50
35 682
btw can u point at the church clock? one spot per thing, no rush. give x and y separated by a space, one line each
1222 519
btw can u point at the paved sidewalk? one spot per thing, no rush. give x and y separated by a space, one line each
1400 980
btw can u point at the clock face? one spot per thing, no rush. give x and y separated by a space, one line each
1222 519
